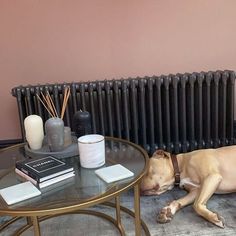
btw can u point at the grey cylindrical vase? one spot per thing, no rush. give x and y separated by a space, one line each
54 129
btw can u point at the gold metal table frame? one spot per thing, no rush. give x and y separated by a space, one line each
90 189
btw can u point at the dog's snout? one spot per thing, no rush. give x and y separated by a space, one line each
142 192
156 187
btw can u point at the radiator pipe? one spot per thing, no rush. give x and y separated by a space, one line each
158 113
125 102
134 110
100 108
207 128
117 109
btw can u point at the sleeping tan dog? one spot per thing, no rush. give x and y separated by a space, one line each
202 173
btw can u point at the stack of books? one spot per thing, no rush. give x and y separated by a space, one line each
44 171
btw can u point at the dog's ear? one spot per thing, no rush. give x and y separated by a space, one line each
160 154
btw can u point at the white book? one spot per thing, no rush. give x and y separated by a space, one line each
56 179
19 192
114 173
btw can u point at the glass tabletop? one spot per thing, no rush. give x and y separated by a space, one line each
84 189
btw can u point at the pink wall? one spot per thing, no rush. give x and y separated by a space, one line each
59 40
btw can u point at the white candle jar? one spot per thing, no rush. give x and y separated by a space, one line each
91 150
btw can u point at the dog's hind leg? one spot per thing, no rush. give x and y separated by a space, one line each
167 213
208 188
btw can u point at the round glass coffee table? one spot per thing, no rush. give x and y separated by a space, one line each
78 193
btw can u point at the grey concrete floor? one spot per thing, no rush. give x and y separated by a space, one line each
185 222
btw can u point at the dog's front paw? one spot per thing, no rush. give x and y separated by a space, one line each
219 220
164 215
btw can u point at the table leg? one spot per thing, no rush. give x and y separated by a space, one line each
118 215
137 210
35 222
29 220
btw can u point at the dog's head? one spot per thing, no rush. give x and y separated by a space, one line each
160 175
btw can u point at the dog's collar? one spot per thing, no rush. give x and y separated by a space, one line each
176 169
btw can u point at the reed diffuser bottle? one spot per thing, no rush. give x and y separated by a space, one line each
54 126
54 129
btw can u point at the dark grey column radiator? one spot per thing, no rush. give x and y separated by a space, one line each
178 113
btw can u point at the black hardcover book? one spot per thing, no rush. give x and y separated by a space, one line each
44 168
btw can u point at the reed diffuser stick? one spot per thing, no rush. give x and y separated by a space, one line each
63 103
49 104
47 101
65 100
44 106
54 108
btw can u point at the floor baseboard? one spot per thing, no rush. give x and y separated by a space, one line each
9 142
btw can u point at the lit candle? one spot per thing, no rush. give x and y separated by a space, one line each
81 123
34 131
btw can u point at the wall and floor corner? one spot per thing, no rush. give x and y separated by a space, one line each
59 41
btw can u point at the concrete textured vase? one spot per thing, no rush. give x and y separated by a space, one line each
54 129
